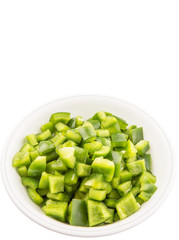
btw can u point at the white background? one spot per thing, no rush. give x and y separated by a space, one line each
125 49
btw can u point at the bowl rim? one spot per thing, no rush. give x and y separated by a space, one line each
75 231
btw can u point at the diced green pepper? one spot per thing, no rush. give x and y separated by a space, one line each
136 167
116 157
72 123
22 171
62 197
61 127
102 133
32 139
72 135
142 147
101 116
110 202
58 165
104 141
57 210
87 133
118 140
130 150
30 182
63 117
101 152
127 205
96 123
93 146
97 212
122 123
115 182
104 166
80 154
82 187
36 198
125 176
114 128
56 184
95 180
67 156
47 126
58 139
79 121
113 194
98 195
37 167
27 148
135 191
78 213
33 155
43 136
71 177
110 220
83 170
21 159
116 217
148 161
46 147
124 188
108 122
51 156
136 134
44 181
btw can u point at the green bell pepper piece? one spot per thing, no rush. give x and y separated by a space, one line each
72 135
113 194
116 157
97 195
63 117
71 188
22 171
67 156
71 177
116 217
79 121
46 147
58 165
130 150
56 183
122 123
115 182
87 133
148 161
82 187
43 136
108 122
105 142
124 188
97 212
21 159
27 148
92 147
135 191
101 152
80 154
96 123
125 176
95 180
56 209
83 170
61 127
32 139
136 135
147 188
30 182
78 214
62 197
104 166
36 198
118 140
47 126
33 155
58 139
51 156
127 205
102 133
136 167
37 167
142 147
111 219
101 116
44 181
72 123
42 192
110 202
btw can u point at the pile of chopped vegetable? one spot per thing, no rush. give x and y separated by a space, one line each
87 173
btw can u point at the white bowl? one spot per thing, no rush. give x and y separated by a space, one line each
86 106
